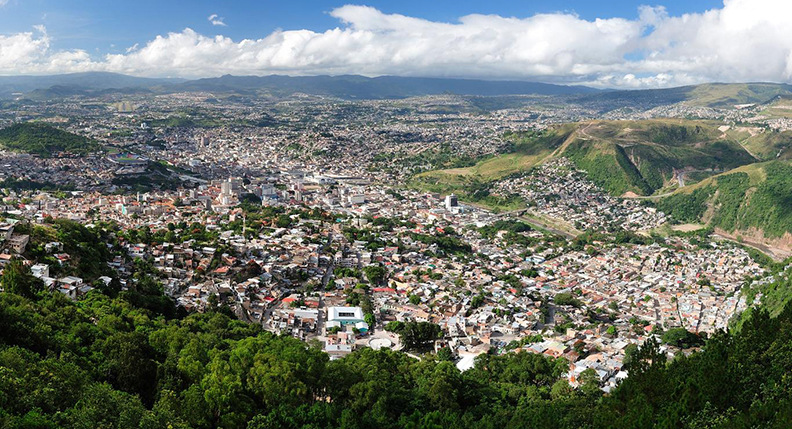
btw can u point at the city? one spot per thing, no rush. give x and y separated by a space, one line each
381 242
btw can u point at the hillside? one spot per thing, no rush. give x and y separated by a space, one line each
77 82
383 87
111 363
753 202
44 140
762 143
729 94
472 183
717 95
621 156
645 156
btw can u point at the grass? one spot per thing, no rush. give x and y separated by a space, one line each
722 95
527 150
756 174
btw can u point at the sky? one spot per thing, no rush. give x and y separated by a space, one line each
618 44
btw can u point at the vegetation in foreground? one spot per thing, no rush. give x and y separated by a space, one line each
102 362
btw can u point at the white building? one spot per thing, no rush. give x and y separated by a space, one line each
345 316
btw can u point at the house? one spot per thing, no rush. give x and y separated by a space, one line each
71 281
53 247
4 259
6 230
18 242
40 270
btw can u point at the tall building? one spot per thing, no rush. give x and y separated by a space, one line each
225 188
451 202
230 187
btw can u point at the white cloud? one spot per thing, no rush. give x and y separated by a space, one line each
745 40
3 3
22 51
216 20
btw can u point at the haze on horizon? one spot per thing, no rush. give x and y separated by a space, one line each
739 41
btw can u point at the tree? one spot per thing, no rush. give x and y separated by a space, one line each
375 273
419 335
589 382
681 337
394 326
18 279
445 354
561 389
565 298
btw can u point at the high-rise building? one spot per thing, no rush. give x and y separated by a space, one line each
225 188
230 187
451 202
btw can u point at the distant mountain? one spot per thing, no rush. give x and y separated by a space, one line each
348 86
64 91
708 95
91 81
385 87
388 87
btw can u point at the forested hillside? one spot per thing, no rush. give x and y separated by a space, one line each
757 196
105 363
44 140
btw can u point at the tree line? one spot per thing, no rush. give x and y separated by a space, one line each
102 362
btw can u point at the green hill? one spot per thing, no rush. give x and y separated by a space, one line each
621 156
643 156
717 95
44 140
746 199
472 183
729 94
762 143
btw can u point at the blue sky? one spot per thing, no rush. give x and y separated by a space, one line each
624 44
97 25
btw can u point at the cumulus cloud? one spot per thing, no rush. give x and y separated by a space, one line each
23 50
216 20
745 40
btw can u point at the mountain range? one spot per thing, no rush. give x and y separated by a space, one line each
346 86
352 87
